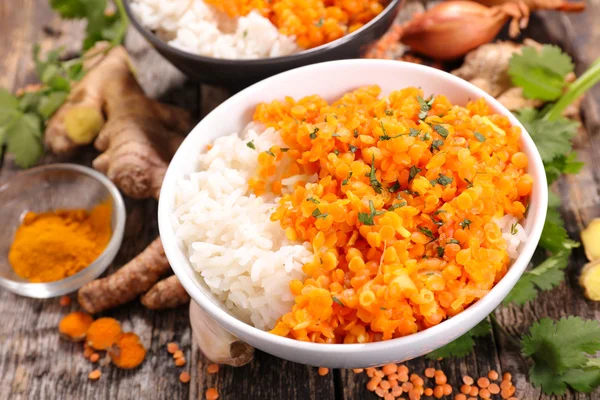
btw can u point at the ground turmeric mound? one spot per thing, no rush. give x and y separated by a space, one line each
54 245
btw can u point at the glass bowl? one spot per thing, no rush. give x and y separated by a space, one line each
52 187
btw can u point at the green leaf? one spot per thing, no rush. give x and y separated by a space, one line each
584 381
522 293
50 103
540 74
9 107
463 345
555 238
24 139
69 9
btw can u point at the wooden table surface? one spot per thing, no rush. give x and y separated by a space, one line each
36 364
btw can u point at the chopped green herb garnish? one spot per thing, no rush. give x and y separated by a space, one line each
389 112
397 205
313 200
355 133
414 132
336 152
408 191
284 149
436 144
394 188
335 299
385 135
513 229
469 183
320 22
413 172
425 106
269 152
375 184
427 232
367 218
317 214
443 132
433 182
439 211
426 137
444 180
313 134
251 145
353 149
452 241
438 222
479 136
345 181
382 308
465 224
440 251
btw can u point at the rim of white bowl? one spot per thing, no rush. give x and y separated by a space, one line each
43 290
538 216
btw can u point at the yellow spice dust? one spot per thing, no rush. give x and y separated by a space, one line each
53 245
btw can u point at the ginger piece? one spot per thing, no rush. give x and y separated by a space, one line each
590 280
103 333
133 279
127 352
167 293
137 135
590 237
217 344
74 326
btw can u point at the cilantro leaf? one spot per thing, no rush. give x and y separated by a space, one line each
368 218
50 103
375 184
463 345
441 130
413 172
23 137
540 74
425 106
555 238
479 136
560 353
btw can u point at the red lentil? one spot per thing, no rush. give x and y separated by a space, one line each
212 394
323 371
213 368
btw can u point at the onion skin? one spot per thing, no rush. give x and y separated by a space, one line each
559 5
451 29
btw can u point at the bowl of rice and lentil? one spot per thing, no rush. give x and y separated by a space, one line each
235 43
353 213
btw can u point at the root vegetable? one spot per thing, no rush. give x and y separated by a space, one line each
75 325
590 280
127 352
451 29
590 237
137 135
133 279
103 333
216 343
167 293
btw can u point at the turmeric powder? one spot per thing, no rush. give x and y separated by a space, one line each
54 245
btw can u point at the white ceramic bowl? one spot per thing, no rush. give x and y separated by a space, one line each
330 80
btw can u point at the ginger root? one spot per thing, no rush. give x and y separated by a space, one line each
590 237
167 293
127 352
590 280
133 279
74 326
103 333
217 344
137 135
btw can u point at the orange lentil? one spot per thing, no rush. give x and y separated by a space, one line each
403 377
484 394
505 393
370 372
472 398
483 382
358 370
403 369
172 347
323 371
87 352
466 389
438 392
95 374
388 396
371 249
94 357
379 392
406 386
373 383
447 389
512 390
389 369
397 391
212 394
474 391
180 362
494 388
430 372
213 368
428 392
505 384
379 373
184 377
460 396
65 301
441 379
393 382
493 375
507 376
513 398
385 385
178 354
468 380
414 394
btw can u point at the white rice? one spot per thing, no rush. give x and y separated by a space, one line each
243 257
195 27
514 234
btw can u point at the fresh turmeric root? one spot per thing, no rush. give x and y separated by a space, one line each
590 280
74 326
137 135
127 352
133 279
103 333
167 293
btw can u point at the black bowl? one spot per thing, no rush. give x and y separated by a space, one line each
237 74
